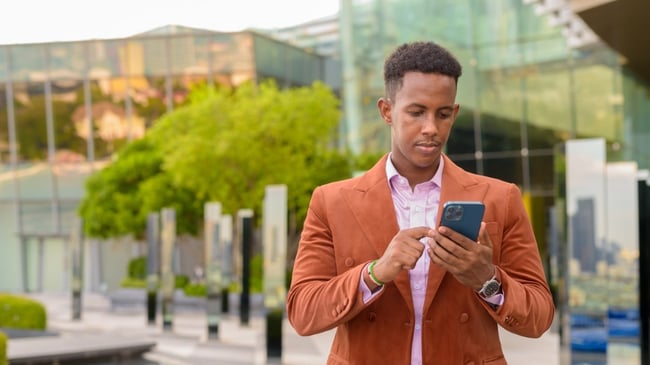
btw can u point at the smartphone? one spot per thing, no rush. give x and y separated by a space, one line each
463 217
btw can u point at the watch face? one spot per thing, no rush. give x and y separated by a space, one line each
491 288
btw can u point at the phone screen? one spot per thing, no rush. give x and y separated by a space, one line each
463 217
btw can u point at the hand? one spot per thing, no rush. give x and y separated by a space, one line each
468 261
402 253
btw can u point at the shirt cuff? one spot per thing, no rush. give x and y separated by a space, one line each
367 294
497 300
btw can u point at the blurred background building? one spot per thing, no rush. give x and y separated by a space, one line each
66 107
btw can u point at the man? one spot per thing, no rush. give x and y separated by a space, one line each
374 263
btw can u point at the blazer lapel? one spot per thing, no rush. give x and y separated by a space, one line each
457 184
372 204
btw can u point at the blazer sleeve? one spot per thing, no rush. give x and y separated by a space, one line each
320 297
528 308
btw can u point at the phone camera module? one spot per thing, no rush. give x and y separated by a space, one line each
454 213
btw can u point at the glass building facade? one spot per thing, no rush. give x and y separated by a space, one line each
524 92
523 89
66 107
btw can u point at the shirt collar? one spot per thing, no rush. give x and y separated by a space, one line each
391 171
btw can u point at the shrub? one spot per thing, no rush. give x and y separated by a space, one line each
137 275
257 274
133 283
181 281
195 290
3 349
21 313
138 268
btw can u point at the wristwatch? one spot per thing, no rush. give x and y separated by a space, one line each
490 288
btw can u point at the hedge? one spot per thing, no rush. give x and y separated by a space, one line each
3 349
21 313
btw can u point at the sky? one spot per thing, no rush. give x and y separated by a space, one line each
40 21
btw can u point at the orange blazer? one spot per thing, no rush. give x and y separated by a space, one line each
351 222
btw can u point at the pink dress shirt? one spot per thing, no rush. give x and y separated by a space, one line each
414 208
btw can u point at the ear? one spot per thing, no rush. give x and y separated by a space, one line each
385 107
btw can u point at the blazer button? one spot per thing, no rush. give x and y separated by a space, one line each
349 262
463 318
372 316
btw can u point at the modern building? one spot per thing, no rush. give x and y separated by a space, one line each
320 36
536 74
65 107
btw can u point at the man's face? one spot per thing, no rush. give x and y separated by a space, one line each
420 116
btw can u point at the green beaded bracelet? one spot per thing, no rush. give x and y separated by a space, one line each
372 274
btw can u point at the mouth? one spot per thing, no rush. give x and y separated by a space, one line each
426 147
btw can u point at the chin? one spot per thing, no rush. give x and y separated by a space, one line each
427 162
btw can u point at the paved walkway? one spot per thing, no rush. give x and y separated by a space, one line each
187 344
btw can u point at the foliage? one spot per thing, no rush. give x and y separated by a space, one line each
256 280
180 281
21 313
128 282
228 145
364 162
257 274
3 349
137 275
138 268
195 290
119 197
223 145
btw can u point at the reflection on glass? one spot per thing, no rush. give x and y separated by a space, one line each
623 321
586 251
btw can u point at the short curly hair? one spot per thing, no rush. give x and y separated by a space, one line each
425 57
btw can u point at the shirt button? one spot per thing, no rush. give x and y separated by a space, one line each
417 327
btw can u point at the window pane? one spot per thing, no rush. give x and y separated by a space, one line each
541 174
507 169
461 140
28 62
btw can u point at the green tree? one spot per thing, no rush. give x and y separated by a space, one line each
119 197
223 145
228 145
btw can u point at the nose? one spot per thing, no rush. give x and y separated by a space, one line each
430 125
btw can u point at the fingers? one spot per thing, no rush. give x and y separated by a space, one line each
402 253
444 249
460 239
418 232
467 260
484 236
451 248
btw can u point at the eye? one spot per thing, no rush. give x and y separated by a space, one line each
416 113
445 115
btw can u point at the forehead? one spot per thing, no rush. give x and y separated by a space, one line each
427 85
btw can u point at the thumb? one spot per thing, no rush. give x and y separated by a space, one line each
483 236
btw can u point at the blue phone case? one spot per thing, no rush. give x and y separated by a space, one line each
463 217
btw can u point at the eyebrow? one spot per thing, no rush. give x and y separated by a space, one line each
445 107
